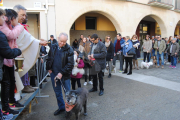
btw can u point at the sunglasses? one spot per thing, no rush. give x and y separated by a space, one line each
109 38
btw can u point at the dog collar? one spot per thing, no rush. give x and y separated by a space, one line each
69 107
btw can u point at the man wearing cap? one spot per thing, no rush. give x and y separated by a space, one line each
52 41
118 51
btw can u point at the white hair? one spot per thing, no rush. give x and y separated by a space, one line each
17 8
63 34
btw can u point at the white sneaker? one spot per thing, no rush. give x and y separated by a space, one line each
90 82
85 83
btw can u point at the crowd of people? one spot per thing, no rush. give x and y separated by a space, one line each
68 64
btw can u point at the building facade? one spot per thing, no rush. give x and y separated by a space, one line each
105 17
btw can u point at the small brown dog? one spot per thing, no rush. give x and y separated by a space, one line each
155 61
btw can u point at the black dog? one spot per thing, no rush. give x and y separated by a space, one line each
75 100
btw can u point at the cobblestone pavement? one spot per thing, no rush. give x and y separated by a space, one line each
166 73
123 99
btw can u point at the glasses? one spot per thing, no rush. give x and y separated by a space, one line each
108 38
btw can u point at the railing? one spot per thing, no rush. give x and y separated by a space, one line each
177 4
170 2
41 71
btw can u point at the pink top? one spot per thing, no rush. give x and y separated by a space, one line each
80 65
11 34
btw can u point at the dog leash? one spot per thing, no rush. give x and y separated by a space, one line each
61 84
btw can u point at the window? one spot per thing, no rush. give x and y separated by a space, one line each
91 23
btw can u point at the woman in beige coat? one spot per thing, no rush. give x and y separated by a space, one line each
147 45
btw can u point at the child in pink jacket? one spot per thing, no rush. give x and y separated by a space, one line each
80 65
8 101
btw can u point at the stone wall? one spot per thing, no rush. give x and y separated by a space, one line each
75 34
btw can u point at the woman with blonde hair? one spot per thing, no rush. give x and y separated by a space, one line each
136 45
84 48
110 53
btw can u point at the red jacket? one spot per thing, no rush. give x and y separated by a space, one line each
80 65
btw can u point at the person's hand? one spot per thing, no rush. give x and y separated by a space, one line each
119 51
134 46
111 59
143 47
43 42
89 56
50 71
147 51
59 76
126 54
175 53
165 52
157 48
114 54
92 56
42 60
42 54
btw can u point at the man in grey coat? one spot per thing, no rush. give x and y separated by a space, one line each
98 51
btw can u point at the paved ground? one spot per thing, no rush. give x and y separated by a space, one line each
125 98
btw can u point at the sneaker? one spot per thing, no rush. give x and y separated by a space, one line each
16 105
10 111
7 117
85 83
162 67
157 66
120 71
170 66
90 82
174 67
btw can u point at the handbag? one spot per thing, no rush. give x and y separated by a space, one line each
132 51
95 67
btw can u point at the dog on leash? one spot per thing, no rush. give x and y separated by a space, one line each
146 65
75 100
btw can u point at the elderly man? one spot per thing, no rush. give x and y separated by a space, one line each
60 64
160 47
98 51
28 44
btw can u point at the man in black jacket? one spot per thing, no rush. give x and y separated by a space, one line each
52 41
60 64
5 52
98 51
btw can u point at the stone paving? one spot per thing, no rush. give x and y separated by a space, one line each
123 99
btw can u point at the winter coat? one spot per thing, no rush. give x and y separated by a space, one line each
147 44
137 43
6 52
81 66
43 50
121 42
161 48
175 48
100 54
11 34
126 48
67 61
110 52
53 42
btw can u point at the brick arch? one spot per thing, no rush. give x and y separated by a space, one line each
101 10
158 19
176 24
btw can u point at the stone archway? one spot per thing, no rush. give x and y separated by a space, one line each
101 10
177 29
158 20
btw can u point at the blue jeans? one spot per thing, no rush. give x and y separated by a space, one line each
153 54
173 60
166 57
162 58
58 90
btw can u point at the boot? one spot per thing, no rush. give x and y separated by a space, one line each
137 65
109 75
27 90
134 64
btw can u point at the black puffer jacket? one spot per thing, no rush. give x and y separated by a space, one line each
67 61
110 52
100 54
6 52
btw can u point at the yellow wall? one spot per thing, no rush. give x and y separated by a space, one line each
156 30
103 23
177 30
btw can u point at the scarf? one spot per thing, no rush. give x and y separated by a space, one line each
118 46
69 107
107 44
